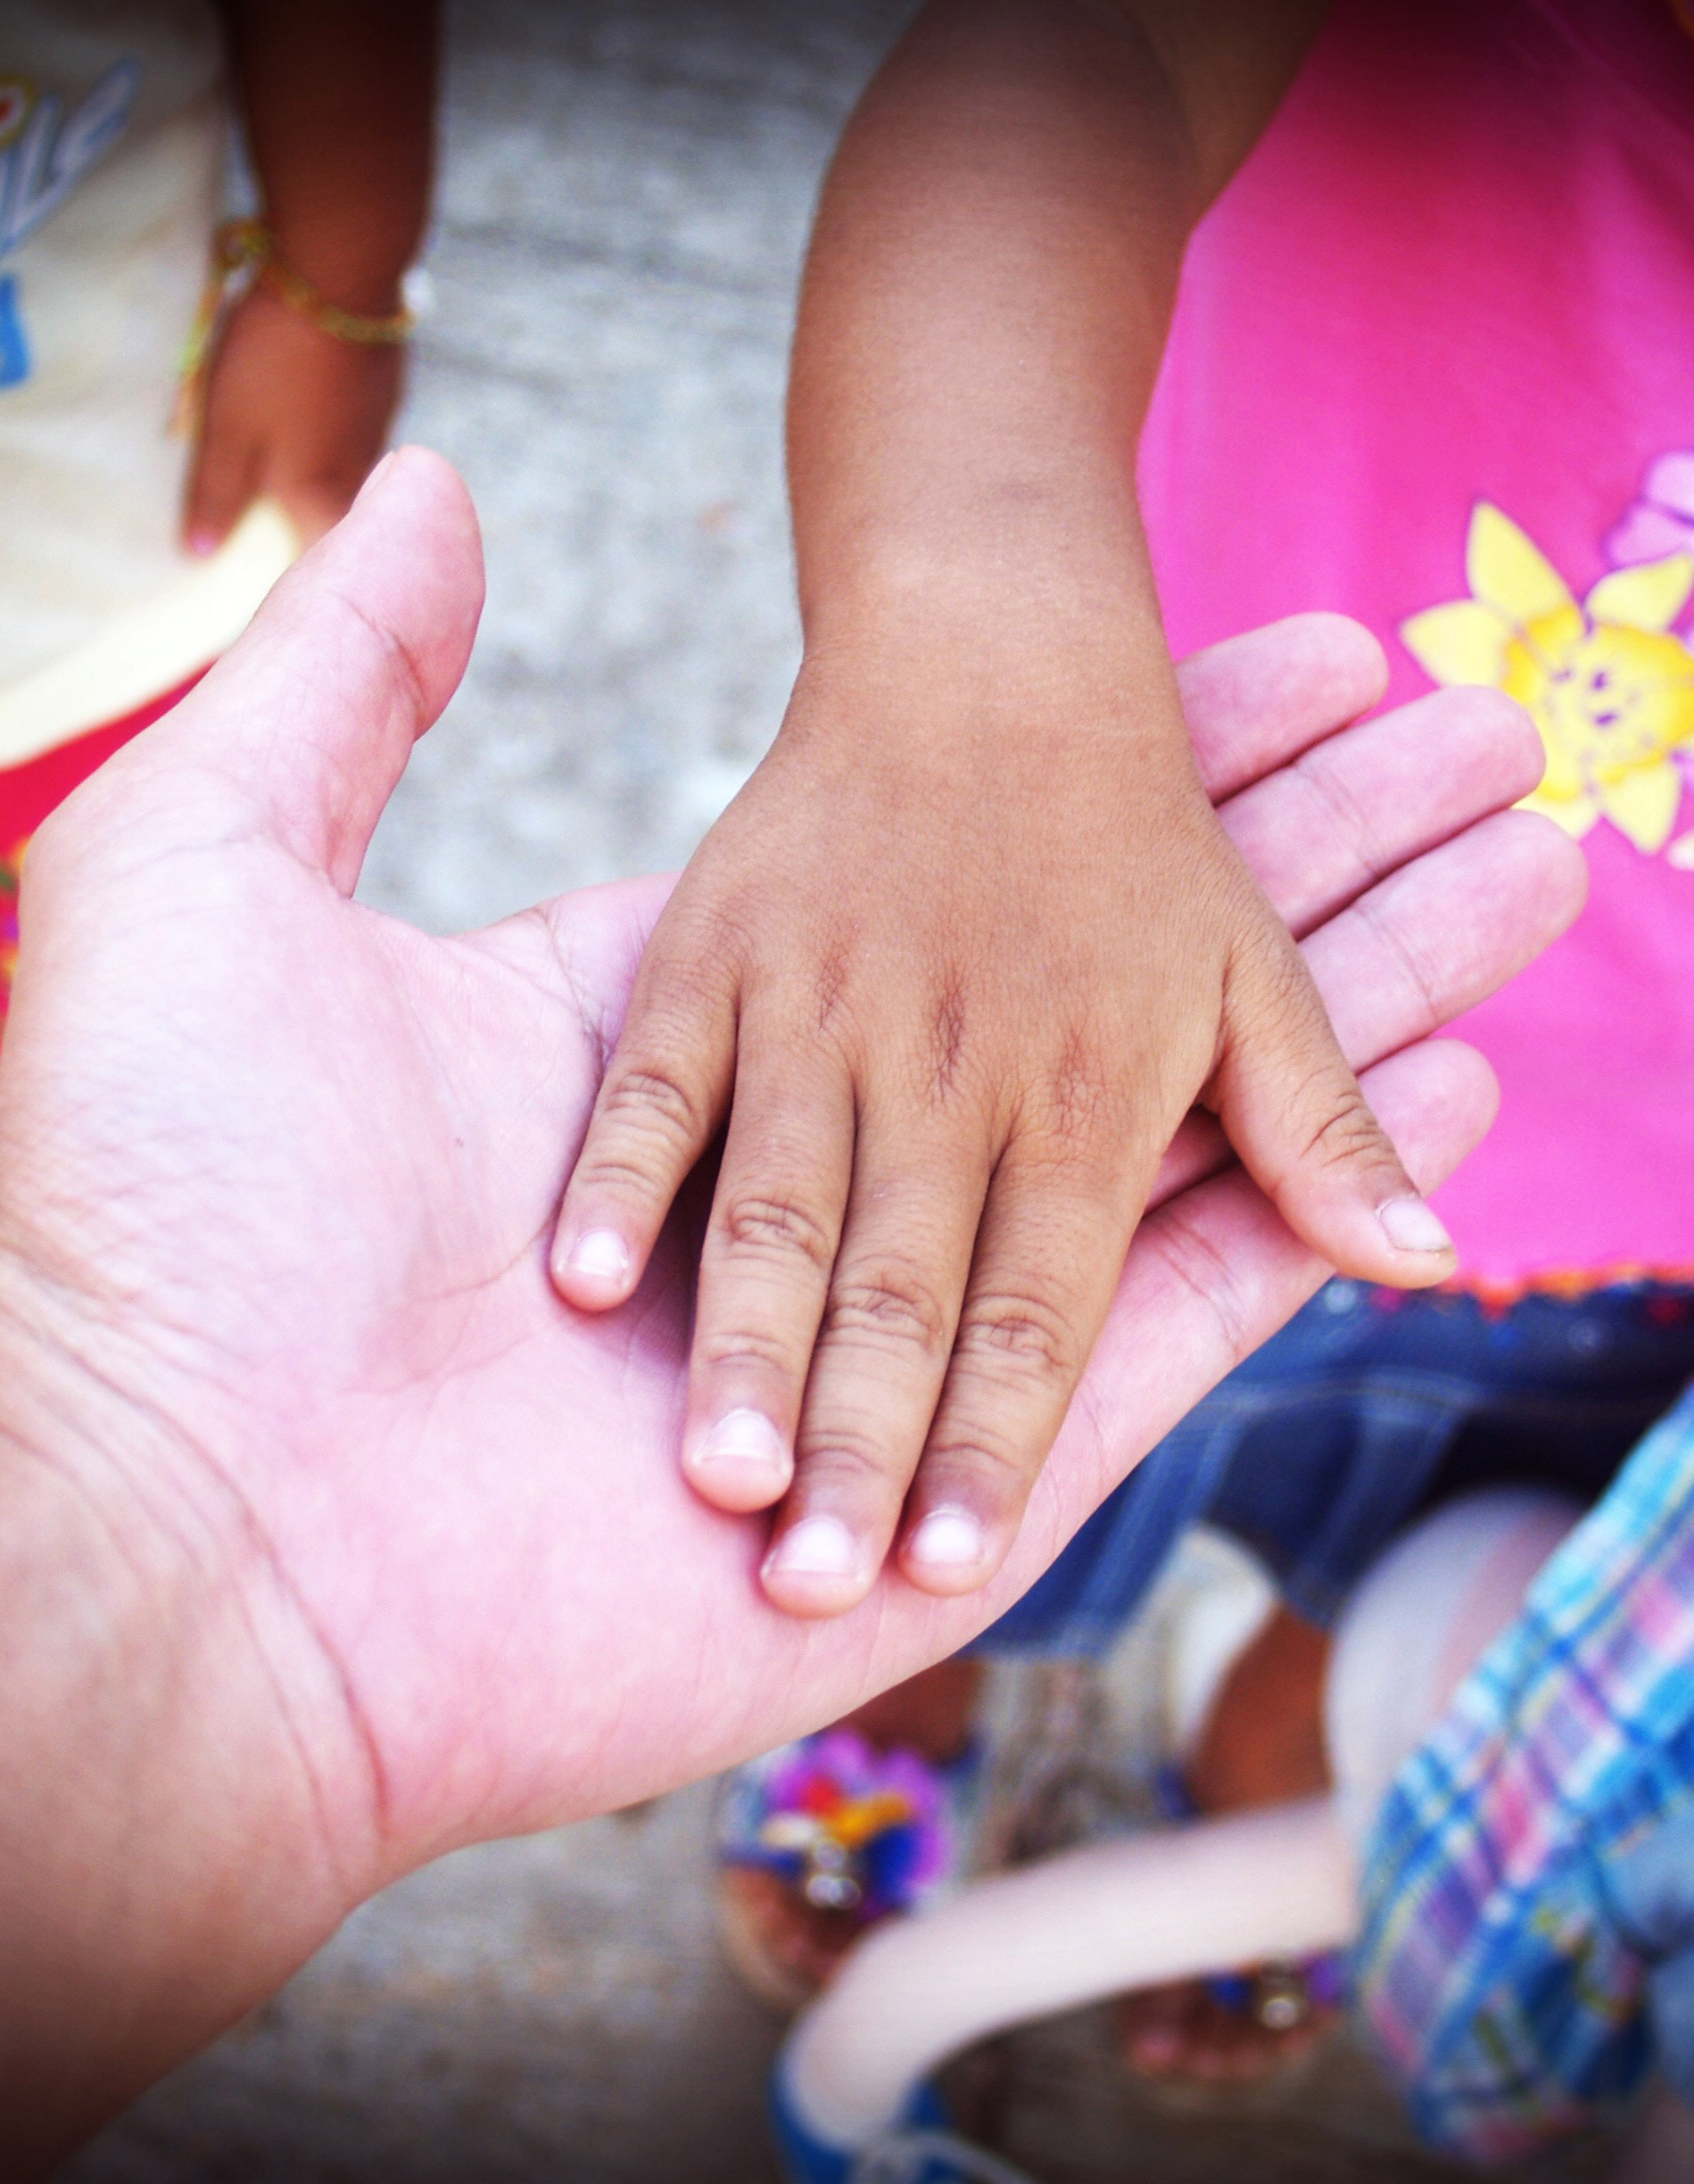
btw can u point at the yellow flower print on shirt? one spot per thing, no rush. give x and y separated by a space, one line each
1609 687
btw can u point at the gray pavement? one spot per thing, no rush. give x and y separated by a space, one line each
626 194
626 191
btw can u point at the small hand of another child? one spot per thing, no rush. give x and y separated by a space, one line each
291 412
954 977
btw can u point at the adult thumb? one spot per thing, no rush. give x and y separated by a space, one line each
1300 1126
308 719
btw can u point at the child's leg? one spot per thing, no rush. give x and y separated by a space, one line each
1552 1390
1049 1937
1261 1744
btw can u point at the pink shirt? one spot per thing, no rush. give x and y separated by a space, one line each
1434 350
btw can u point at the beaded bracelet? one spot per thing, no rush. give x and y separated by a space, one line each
245 256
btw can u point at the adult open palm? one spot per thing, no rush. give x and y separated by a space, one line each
278 1178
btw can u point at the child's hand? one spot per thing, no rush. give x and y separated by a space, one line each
291 412
964 953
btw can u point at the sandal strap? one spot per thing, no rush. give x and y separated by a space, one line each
1283 1991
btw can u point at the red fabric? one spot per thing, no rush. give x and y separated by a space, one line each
29 792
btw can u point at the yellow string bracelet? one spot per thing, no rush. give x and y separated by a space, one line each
245 256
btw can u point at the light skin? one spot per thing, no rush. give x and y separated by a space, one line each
330 1538
951 971
343 156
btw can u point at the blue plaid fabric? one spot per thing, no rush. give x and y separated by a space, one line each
1528 1945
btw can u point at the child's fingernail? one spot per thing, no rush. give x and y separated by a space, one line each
948 1540
202 541
602 1255
815 1547
746 1440
1411 1225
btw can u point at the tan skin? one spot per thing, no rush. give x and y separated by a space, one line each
971 943
966 949
343 157
953 968
1262 1744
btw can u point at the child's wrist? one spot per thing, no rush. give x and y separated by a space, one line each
249 259
1052 575
361 283
1040 627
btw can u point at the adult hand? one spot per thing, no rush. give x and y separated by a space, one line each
330 1538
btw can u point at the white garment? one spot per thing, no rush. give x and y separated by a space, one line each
113 142
1277 1881
1419 1620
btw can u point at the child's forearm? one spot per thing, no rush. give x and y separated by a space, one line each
989 288
338 97
962 955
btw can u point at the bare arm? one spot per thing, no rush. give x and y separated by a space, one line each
990 286
339 106
971 943
339 101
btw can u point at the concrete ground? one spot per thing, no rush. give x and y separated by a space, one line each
558 2008
626 191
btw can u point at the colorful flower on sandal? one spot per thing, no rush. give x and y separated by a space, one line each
854 1829
1609 684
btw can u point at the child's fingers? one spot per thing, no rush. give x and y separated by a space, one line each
766 1264
223 481
661 1102
1294 1113
889 1327
1051 1246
